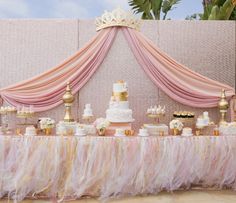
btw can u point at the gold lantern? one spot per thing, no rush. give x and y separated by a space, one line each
68 100
223 106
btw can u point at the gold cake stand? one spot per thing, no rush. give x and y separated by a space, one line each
156 117
25 116
199 130
87 119
6 113
188 122
156 121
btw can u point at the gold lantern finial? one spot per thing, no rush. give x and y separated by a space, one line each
223 106
68 100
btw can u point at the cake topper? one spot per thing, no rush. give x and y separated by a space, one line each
117 17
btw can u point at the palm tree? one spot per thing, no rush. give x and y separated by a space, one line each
151 9
219 10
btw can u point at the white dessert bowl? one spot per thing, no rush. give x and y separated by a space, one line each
119 132
143 132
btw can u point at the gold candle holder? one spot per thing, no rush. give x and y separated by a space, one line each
101 131
216 132
129 132
223 106
48 131
161 133
176 132
198 132
68 100
18 131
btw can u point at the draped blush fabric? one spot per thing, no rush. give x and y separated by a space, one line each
45 91
107 167
233 108
177 81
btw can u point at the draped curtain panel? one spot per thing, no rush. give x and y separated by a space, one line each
177 81
180 83
45 91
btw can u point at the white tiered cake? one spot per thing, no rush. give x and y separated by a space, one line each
119 111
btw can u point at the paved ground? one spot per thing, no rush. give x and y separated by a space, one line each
194 196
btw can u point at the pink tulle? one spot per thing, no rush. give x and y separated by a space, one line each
109 167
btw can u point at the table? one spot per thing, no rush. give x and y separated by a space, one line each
105 167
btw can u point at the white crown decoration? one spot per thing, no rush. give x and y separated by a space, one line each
117 17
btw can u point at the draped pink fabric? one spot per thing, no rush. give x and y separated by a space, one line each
180 83
176 80
45 91
233 108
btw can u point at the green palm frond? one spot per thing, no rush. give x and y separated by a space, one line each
151 9
168 5
218 10
142 6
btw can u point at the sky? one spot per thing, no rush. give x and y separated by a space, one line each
82 9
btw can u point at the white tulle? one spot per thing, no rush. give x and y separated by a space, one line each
106 167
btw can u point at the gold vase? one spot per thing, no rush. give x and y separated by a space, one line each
176 131
48 131
223 107
101 132
68 100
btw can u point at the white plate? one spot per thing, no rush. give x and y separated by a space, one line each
30 135
187 135
80 135
119 135
143 135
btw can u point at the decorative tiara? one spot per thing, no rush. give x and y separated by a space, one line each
117 17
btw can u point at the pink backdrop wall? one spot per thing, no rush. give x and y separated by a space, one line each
29 47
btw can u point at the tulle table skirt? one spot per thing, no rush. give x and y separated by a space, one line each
105 167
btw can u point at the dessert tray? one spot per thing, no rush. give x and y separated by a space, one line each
7 109
184 116
25 115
